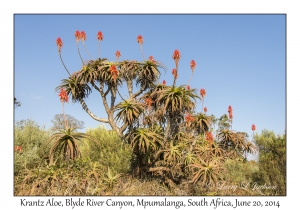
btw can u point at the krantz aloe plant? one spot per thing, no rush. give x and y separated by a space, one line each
169 138
64 143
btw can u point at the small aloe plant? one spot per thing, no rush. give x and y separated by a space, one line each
65 142
110 177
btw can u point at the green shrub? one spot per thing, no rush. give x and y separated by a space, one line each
272 161
31 137
110 151
240 171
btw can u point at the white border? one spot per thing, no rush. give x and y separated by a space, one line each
9 8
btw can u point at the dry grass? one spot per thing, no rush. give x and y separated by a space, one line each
126 185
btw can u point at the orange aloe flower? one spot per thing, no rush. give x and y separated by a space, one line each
114 72
59 43
83 36
164 82
149 102
188 87
100 36
209 137
140 39
189 118
193 65
151 58
176 56
253 127
205 109
63 96
18 149
174 72
77 35
202 92
229 109
118 54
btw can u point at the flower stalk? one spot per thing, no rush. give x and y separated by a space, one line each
83 38
60 45
202 93
230 115
100 38
140 40
78 37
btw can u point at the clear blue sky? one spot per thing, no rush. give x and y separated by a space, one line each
240 61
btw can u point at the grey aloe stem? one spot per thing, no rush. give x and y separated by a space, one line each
64 64
79 53
174 82
87 51
142 51
190 78
63 110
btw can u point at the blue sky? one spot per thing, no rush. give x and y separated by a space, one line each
240 61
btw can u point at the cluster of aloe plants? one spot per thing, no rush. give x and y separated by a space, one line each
169 138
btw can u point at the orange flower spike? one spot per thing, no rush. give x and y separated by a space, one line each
164 82
83 36
140 39
151 59
202 92
229 109
209 137
63 96
189 118
176 56
18 149
188 87
100 36
193 65
118 54
114 72
174 72
149 102
59 43
205 109
253 127
77 35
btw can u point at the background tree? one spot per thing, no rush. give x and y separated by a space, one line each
272 160
16 103
58 122
223 122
